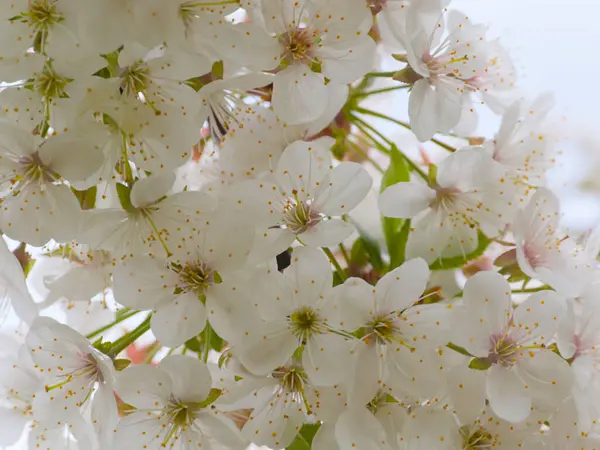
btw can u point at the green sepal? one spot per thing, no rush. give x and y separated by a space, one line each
124 193
213 395
121 364
459 261
480 364
303 440
458 349
87 198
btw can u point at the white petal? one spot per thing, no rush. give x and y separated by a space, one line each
144 386
310 275
537 318
349 184
466 388
326 359
507 394
104 412
355 301
358 428
147 191
299 94
178 320
298 170
143 282
190 377
327 233
405 200
348 60
270 348
402 287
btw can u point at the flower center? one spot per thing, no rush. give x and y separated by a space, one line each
42 14
299 217
135 79
305 322
51 85
291 378
384 330
504 351
298 45
476 438
195 277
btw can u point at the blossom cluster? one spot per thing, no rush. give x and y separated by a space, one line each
195 170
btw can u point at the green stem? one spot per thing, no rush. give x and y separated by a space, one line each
207 338
381 74
444 146
336 264
531 290
126 166
125 341
345 254
118 320
356 120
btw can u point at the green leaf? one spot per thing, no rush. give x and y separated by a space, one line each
305 437
459 261
124 193
397 171
217 70
395 230
480 364
193 344
371 249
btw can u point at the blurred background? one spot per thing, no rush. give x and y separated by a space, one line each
553 45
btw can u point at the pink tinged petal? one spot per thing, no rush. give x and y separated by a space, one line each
327 233
144 386
405 200
349 184
355 301
326 359
466 388
190 378
299 95
358 428
346 60
536 320
402 287
507 394
266 348
176 321
149 190
309 275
